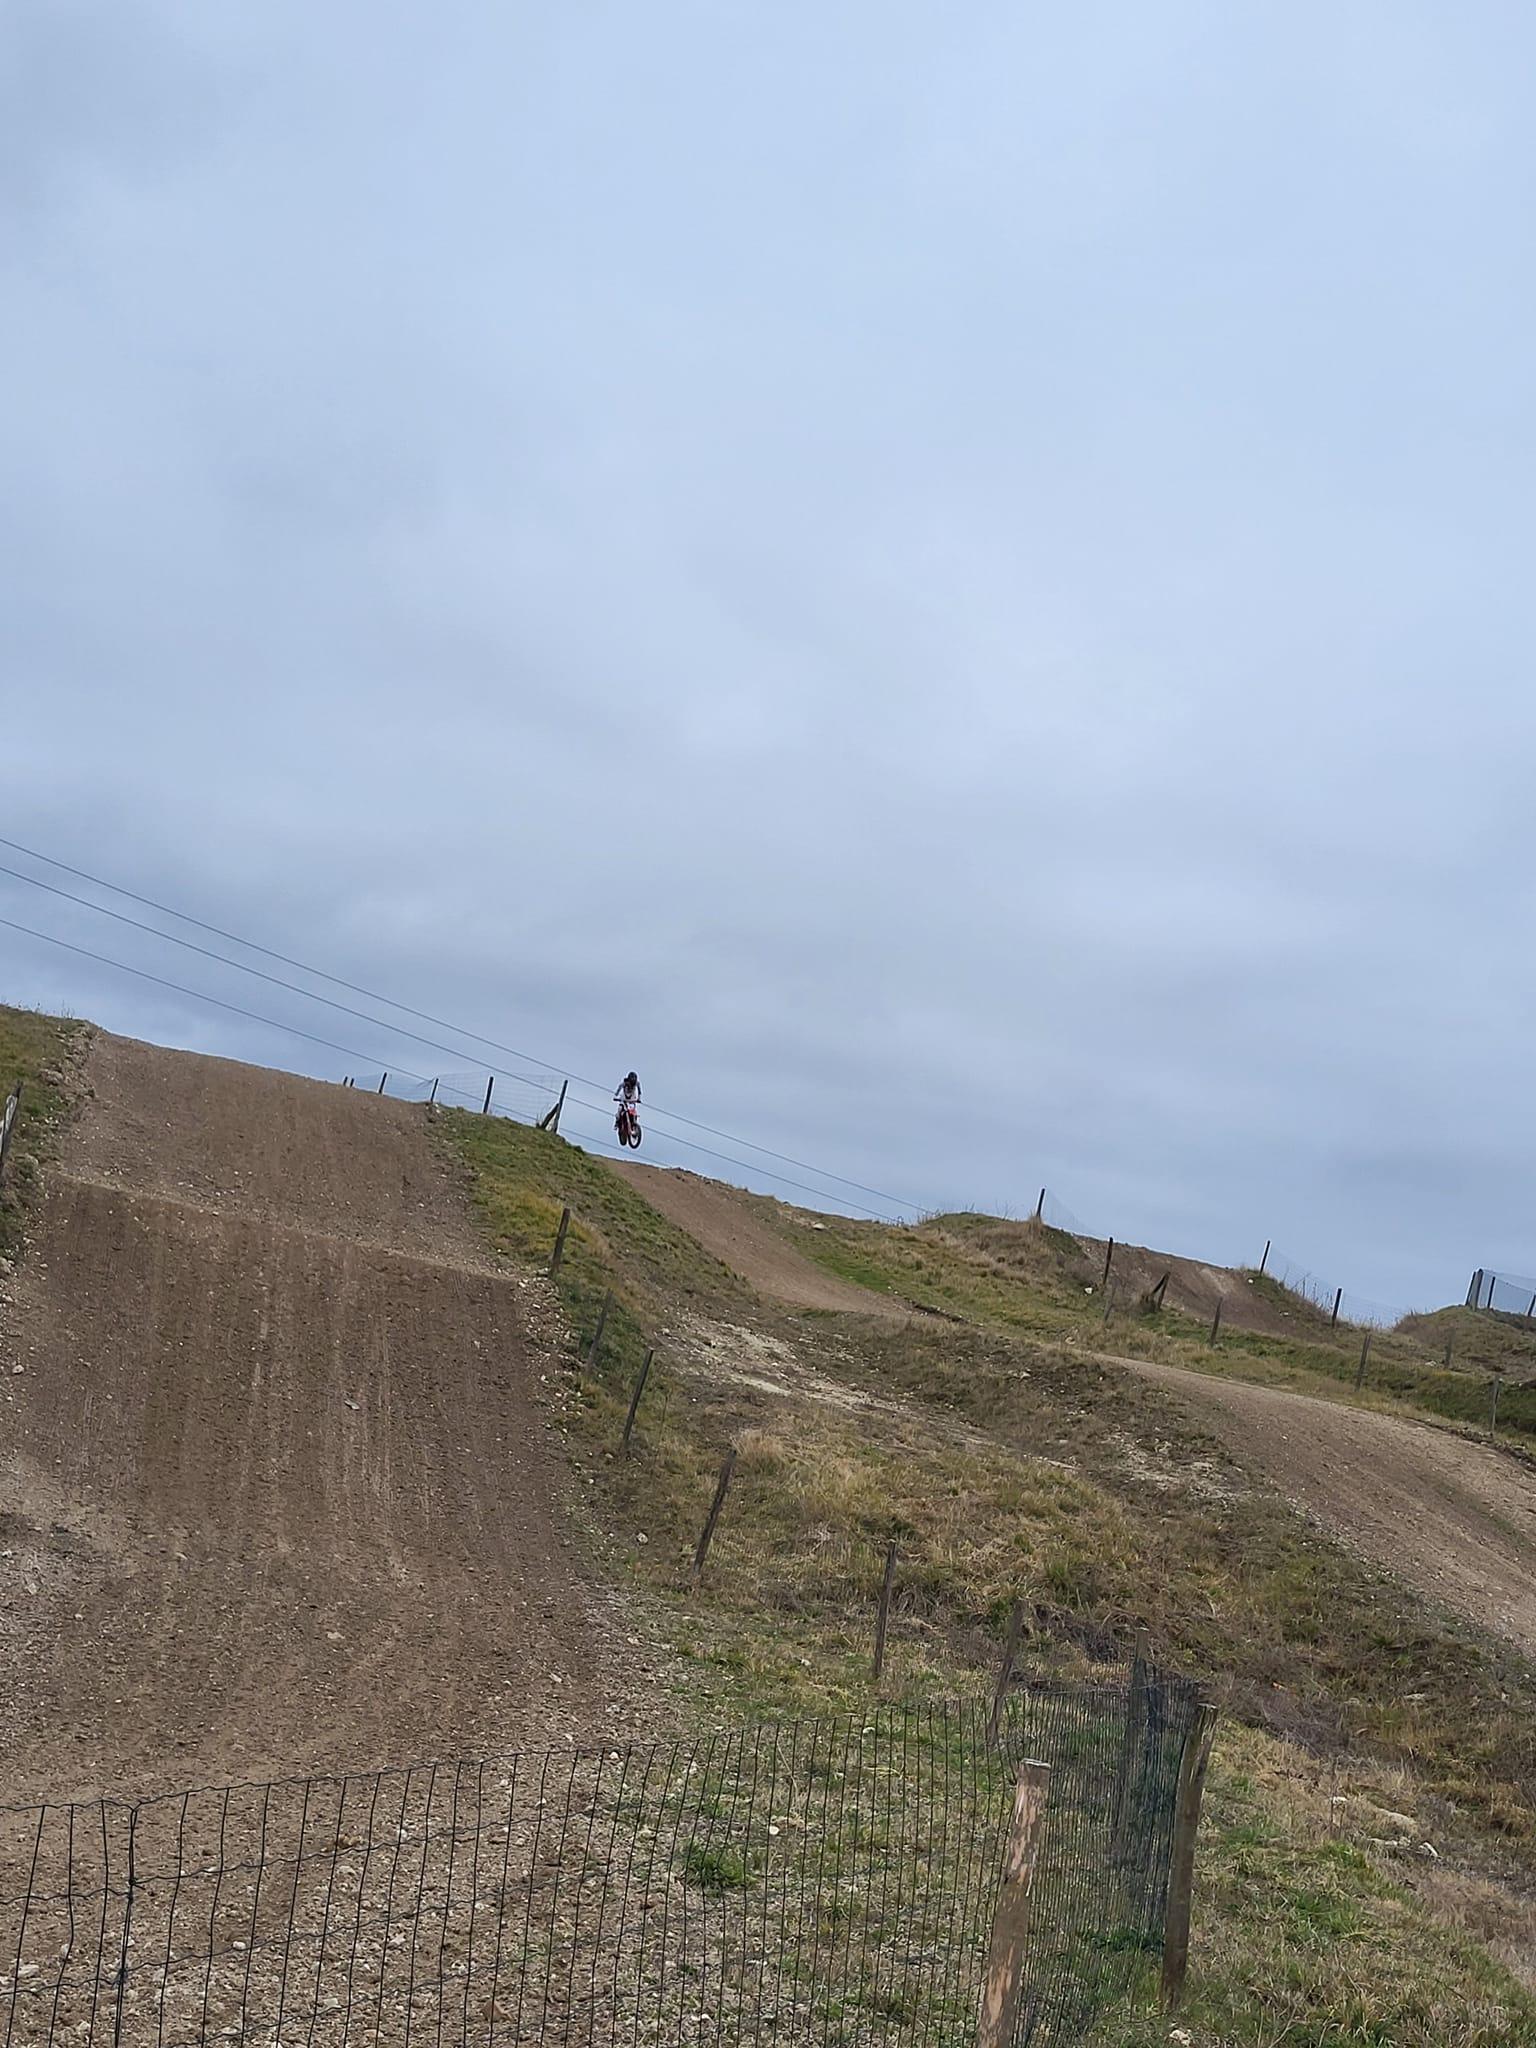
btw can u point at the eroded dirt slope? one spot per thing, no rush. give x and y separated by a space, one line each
276 1484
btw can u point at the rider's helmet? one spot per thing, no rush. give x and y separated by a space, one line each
631 1079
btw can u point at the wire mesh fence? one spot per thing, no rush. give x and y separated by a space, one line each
819 1882
1512 1294
525 1098
1336 1302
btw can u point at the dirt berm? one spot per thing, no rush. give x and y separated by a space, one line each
277 1489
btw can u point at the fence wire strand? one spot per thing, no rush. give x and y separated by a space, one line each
817 1882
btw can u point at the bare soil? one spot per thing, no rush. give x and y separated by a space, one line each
1454 1518
279 1487
724 1221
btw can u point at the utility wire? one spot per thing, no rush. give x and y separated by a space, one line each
199 995
425 1017
239 1010
188 945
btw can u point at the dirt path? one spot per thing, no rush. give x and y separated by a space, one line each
1457 1521
724 1220
276 1488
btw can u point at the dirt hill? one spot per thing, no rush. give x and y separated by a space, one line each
276 1487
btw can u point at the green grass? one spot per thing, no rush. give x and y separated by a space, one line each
1304 1936
1006 1459
1037 1282
37 1051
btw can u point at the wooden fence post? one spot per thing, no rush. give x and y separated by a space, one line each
1040 1206
1005 1672
722 1487
1109 1255
1493 1405
432 1098
1109 1302
1365 1352
1155 1298
490 1083
1450 1351
597 1334
382 1079
1002 1988
1338 1296
882 1618
1265 1260
634 1400
1181 1875
1215 1322
559 1251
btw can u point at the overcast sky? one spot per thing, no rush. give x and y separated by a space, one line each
952 584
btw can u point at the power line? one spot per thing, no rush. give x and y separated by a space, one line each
200 996
275 1024
425 1017
310 995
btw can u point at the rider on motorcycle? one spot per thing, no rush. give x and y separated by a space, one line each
627 1122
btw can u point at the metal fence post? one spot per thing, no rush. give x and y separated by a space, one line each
9 1119
1135 1719
559 1251
1338 1296
490 1083
597 1335
883 1616
1005 1672
1181 1876
634 1400
722 1487
551 1122
122 1959
1003 1986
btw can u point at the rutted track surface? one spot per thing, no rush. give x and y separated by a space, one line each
724 1221
276 1490
1455 1519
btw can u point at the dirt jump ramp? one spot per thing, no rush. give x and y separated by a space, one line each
276 1490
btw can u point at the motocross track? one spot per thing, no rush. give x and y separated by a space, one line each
724 1221
1454 1519
276 1487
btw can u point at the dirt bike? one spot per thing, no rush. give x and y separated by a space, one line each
627 1124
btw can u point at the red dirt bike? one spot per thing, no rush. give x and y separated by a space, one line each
627 1124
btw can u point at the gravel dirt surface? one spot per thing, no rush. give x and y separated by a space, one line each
279 1481
1454 1518
724 1221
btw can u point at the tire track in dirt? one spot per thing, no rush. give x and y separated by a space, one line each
1455 1519
277 1487
723 1220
